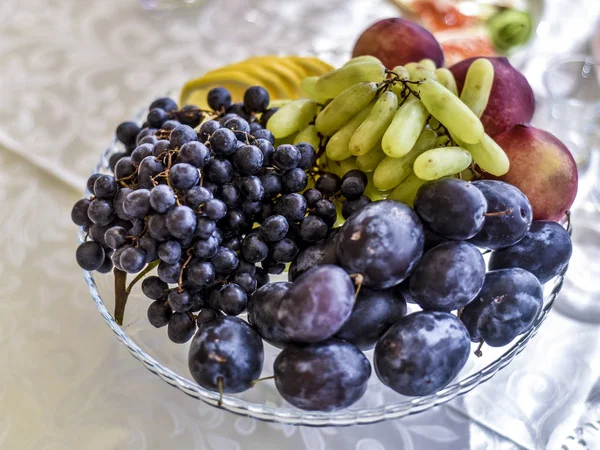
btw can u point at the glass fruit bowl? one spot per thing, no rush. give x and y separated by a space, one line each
152 348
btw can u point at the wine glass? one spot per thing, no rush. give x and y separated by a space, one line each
572 85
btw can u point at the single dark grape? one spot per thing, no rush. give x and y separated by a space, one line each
506 306
274 228
351 206
169 251
326 210
207 129
184 176
308 155
181 222
262 133
294 180
196 196
162 198
545 251
312 196
219 171
267 149
422 353
223 142
240 127
154 288
133 259
181 327
248 159
157 227
229 194
256 99
226 355
252 188
101 212
313 229
215 209
127 132
353 184
232 299
326 376
206 248
179 301
170 125
233 222
124 168
107 265
286 157
246 281
246 267
182 134
448 277
292 207
137 203
149 168
89 255
451 208
160 148
190 115
219 99
204 228
194 153
232 243
328 184
159 313
156 117
105 187
165 103
271 183
284 251
383 242
115 237
225 261
201 273
79 213
148 140
254 248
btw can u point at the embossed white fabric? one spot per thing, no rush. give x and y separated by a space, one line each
70 70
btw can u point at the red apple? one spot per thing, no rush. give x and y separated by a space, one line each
542 168
397 41
511 100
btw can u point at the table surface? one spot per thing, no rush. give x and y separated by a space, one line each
70 71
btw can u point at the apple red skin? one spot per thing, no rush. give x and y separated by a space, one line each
542 168
398 41
511 100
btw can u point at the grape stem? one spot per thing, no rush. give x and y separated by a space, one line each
358 281
187 261
121 295
499 213
478 351
141 275
220 385
258 380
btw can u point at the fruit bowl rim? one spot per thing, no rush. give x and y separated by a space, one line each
294 416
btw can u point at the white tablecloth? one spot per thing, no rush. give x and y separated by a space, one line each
70 70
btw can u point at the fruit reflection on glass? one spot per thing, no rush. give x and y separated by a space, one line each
373 186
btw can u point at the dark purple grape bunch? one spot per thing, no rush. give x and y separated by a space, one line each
197 200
